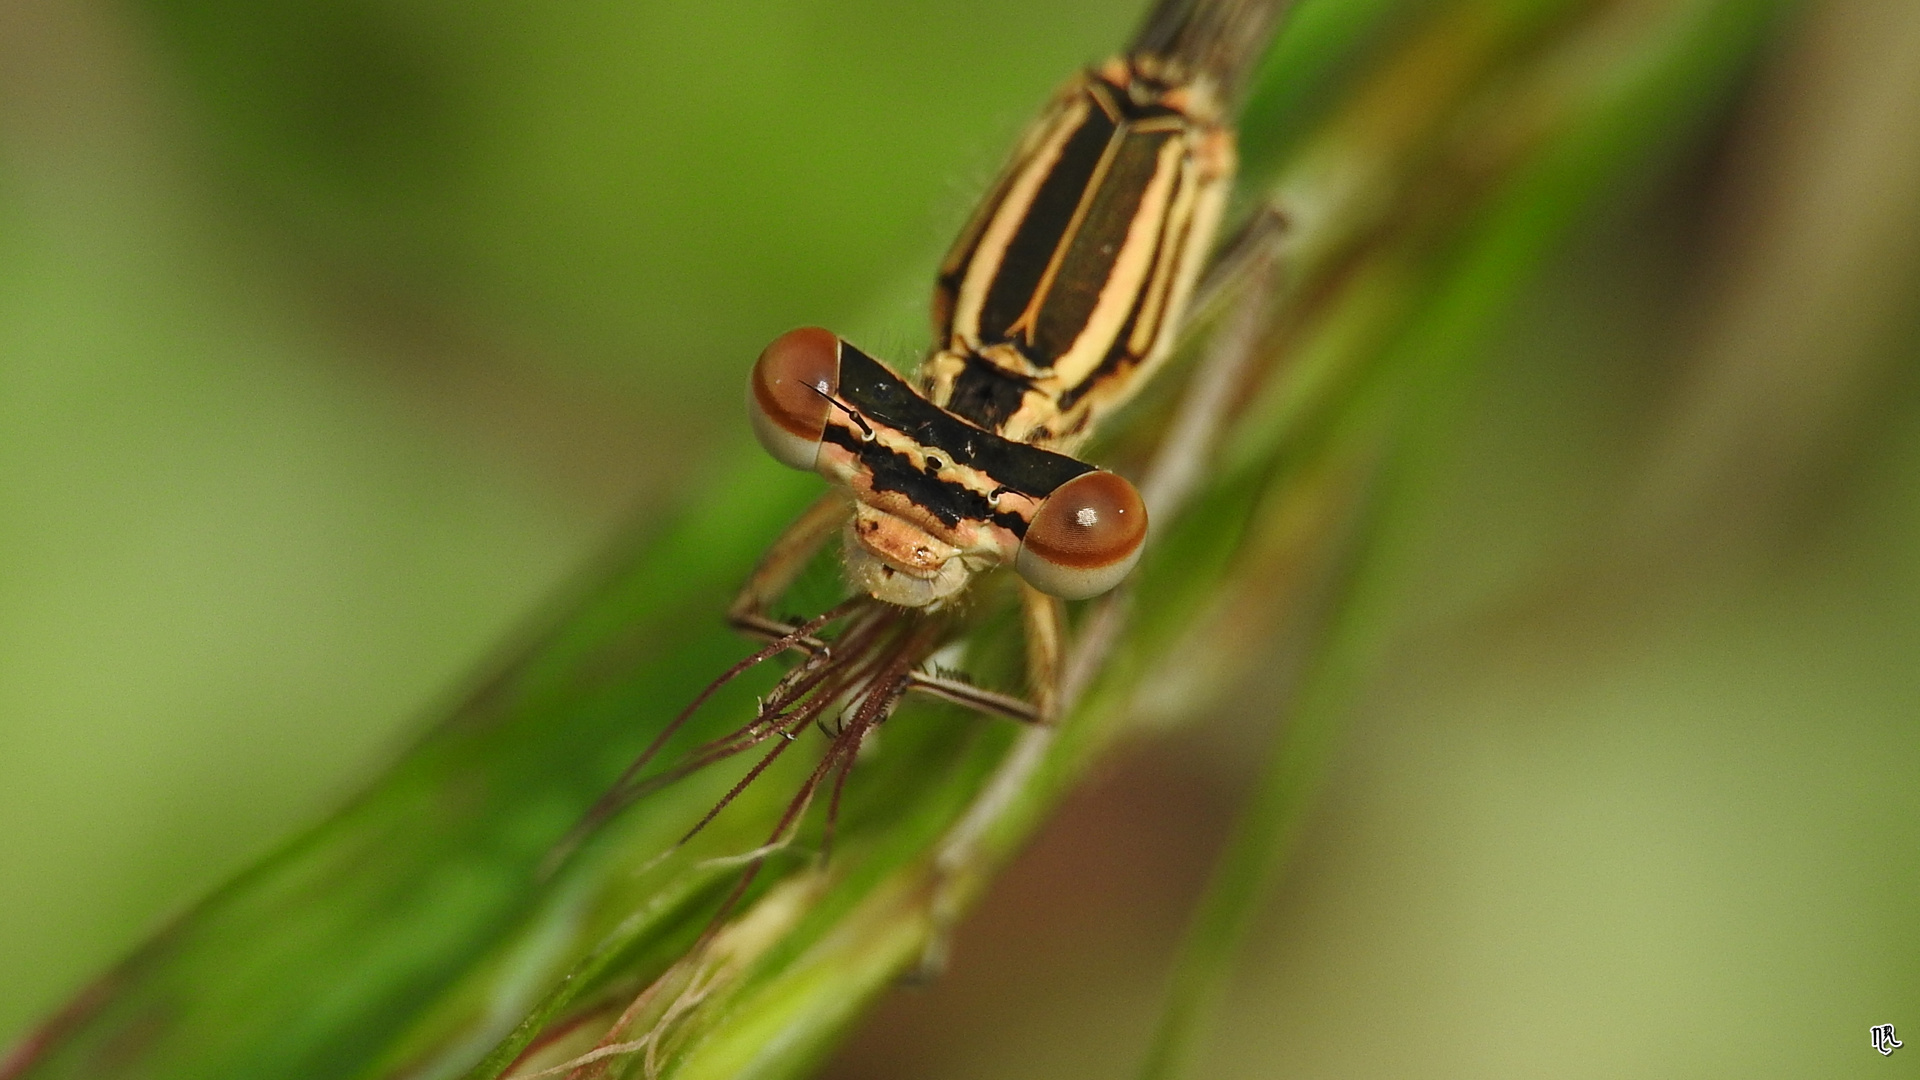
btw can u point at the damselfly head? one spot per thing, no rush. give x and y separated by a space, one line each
937 498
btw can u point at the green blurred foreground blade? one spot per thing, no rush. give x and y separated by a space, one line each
416 933
310 964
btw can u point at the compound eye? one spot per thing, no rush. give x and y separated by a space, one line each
787 394
1084 537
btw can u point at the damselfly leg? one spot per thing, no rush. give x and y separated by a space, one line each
788 557
782 565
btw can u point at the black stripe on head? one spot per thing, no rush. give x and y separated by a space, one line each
890 471
884 397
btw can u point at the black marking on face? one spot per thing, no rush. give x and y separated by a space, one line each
890 471
883 397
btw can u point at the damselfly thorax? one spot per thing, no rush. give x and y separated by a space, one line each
1062 296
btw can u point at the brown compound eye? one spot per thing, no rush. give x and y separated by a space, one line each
788 391
1084 537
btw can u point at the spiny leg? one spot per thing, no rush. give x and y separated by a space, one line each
793 637
782 565
961 692
626 788
804 697
877 688
882 694
1257 240
805 716
1044 622
1044 619
801 699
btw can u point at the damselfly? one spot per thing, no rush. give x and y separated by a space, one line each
1063 297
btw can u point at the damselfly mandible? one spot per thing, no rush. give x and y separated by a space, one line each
1063 296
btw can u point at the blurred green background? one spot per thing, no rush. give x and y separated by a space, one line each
336 338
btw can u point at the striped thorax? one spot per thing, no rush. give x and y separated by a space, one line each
1057 303
1067 287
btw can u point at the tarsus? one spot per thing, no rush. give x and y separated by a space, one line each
860 675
